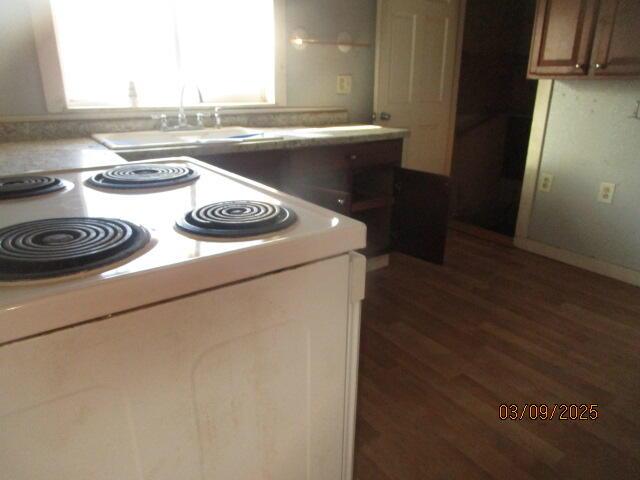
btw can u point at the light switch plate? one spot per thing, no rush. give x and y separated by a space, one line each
344 85
546 180
605 194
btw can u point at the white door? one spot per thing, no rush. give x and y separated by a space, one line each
416 81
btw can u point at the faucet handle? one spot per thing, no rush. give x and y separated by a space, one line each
216 116
162 118
200 119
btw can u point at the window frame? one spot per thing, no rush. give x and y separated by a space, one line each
53 83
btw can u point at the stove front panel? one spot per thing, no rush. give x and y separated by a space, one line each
243 382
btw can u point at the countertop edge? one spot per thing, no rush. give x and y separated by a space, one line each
279 144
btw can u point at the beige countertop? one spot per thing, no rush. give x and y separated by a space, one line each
22 157
31 156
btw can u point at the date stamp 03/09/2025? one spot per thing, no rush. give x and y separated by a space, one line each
543 411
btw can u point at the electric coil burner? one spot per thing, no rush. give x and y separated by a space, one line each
240 218
60 246
28 185
146 175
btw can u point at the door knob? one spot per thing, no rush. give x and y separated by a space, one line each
385 116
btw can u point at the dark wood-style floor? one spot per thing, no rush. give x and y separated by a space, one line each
443 346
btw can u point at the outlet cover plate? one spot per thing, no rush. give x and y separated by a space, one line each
606 191
344 83
546 180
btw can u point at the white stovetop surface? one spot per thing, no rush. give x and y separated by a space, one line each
175 264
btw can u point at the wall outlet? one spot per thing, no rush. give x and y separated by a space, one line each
605 194
546 179
344 85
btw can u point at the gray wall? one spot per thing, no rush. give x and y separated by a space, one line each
311 73
591 139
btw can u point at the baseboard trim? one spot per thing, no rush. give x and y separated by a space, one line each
482 233
581 261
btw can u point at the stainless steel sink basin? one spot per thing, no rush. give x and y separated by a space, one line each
157 139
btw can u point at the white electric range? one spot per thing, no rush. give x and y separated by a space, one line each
169 319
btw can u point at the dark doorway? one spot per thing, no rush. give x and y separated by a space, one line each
495 108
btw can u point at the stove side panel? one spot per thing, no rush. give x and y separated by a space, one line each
246 382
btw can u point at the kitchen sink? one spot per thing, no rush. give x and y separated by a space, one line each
157 139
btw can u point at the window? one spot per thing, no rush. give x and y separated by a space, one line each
141 53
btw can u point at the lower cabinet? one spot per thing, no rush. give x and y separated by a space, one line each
264 167
336 200
404 210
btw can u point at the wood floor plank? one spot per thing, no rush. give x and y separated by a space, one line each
443 346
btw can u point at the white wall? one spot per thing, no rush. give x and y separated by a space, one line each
591 139
311 73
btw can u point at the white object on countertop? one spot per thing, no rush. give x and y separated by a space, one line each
133 94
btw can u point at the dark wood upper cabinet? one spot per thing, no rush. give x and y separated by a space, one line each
585 39
616 50
562 38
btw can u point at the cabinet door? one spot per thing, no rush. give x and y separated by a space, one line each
420 214
562 38
617 43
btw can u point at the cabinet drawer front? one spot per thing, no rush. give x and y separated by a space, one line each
264 167
316 161
323 159
375 153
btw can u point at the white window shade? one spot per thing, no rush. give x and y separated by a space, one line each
225 48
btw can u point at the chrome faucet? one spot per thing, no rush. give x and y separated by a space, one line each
182 123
